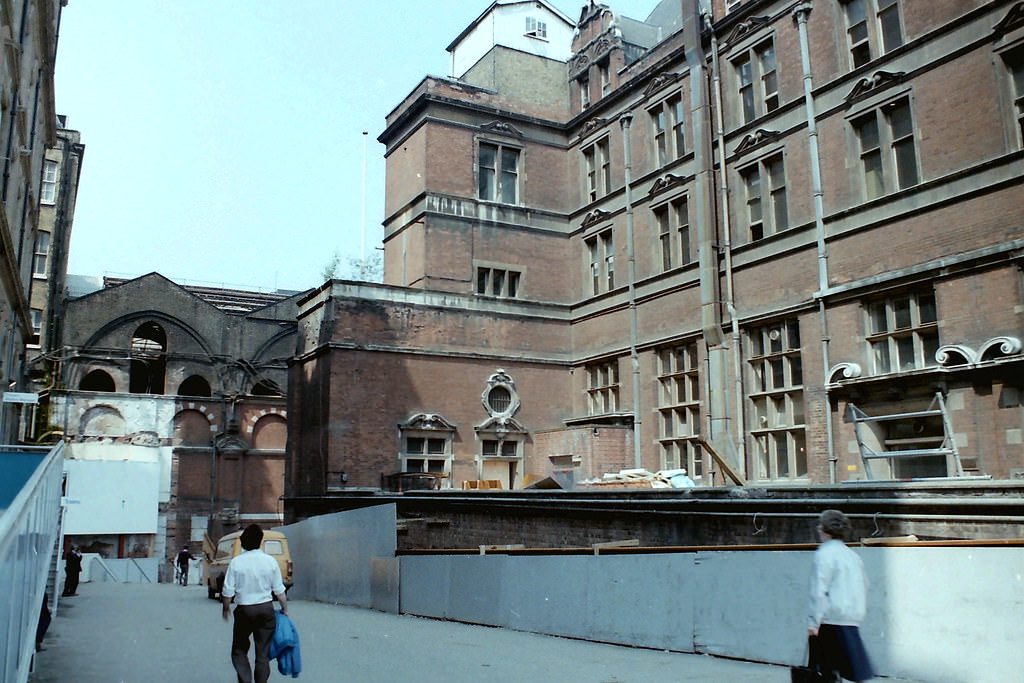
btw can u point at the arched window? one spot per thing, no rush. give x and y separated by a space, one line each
149 363
97 380
102 421
266 388
195 386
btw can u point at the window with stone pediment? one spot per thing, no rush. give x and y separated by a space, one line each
764 189
597 167
498 172
673 221
757 82
873 28
668 132
426 445
601 254
1013 63
886 146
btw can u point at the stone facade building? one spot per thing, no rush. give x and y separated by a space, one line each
766 242
28 129
172 402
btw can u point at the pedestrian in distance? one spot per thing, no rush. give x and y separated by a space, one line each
252 580
182 560
838 602
72 568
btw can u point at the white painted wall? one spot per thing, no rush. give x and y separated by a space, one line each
506 25
112 497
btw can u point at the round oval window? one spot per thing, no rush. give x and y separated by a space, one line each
499 398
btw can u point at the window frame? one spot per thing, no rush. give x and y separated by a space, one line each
445 456
603 387
766 207
1011 61
48 185
776 402
872 41
597 168
668 129
672 219
885 151
601 260
886 348
498 281
756 79
499 173
679 409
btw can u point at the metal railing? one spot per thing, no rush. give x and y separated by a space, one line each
29 528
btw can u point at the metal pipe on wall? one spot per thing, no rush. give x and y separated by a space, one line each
624 121
800 13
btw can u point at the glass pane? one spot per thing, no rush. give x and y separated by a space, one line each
760 412
798 408
900 120
680 390
775 339
926 308
793 334
874 176
487 155
414 465
905 349
901 313
513 283
691 357
486 183
414 445
481 280
906 163
796 371
867 132
781 216
799 454
879 323
855 12
436 466
880 351
508 188
781 444
508 449
694 388
778 373
509 160
497 282
489 448
761 454
779 418
930 345
889 18
435 446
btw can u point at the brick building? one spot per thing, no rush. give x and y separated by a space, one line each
173 398
28 134
774 243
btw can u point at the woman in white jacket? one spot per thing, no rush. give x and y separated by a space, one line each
838 601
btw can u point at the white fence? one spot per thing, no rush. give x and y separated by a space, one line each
937 614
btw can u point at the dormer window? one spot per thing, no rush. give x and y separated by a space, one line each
535 28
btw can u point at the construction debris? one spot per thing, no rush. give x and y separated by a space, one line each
640 479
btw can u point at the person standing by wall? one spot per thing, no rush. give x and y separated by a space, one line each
252 579
182 560
72 568
838 601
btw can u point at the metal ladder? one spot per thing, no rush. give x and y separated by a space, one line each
946 448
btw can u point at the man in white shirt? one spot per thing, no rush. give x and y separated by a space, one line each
252 579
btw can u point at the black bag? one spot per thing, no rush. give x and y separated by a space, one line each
812 672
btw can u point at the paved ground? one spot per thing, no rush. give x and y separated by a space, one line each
141 633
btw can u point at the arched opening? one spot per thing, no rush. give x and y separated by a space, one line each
195 386
266 388
270 433
149 364
191 428
102 421
97 380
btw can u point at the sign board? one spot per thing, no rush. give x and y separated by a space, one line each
16 397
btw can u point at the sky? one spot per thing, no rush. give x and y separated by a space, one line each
224 139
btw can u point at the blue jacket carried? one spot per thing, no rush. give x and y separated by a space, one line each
284 647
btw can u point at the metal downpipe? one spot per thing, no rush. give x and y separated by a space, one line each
800 13
625 121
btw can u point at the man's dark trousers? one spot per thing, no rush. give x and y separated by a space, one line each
257 621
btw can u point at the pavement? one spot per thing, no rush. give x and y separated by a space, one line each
144 633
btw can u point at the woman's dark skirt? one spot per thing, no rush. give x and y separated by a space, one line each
841 649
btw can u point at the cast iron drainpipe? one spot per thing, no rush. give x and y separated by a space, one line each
625 120
800 13
730 297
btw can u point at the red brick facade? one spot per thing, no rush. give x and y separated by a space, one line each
696 305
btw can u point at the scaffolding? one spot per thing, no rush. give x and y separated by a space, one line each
873 446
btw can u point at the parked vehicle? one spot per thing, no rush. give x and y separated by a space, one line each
275 544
